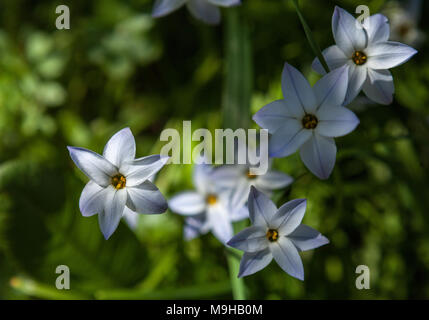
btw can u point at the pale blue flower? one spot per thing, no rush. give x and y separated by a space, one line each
208 207
238 179
119 183
204 10
275 233
368 53
308 119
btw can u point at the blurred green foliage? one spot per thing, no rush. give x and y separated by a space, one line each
118 67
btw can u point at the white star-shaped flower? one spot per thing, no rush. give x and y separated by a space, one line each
275 233
366 49
308 119
204 10
119 183
207 208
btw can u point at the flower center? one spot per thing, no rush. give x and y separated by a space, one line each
250 176
211 199
359 58
272 235
119 181
309 121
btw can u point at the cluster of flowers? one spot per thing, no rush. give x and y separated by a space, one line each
307 119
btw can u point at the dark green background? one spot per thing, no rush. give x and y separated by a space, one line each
117 67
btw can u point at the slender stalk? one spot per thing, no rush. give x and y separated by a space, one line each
313 44
236 105
237 284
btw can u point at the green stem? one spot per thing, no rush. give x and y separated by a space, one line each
237 284
313 44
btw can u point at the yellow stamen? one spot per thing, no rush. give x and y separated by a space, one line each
359 58
309 121
272 235
250 176
211 199
119 181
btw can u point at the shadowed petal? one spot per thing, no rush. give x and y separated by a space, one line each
286 255
386 55
225 3
252 262
273 115
379 86
332 88
195 226
131 218
146 198
348 36
113 211
289 216
336 121
164 7
220 222
142 169
379 29
296 89
250 239
334 57
357 76
318 154
261 208
204 11
273 180
240 214
94 166
187 203
92 199
202 177
288 139
120 148
306 238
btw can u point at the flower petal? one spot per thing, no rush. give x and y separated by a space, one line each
286 255
227 176
288 139
379 86
389 54
332 88
289 216
357 76
261 208
296 89
273 180
202 177
335 121
225 3
146 198
92 199
131 218
252 262
140 170
251 239
220 223
334 57
164 7
240 193
195 226
204 11
240 214
94 166
378 28
318 155
187 203
307 238
273 115
113 211
348 36
120 148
